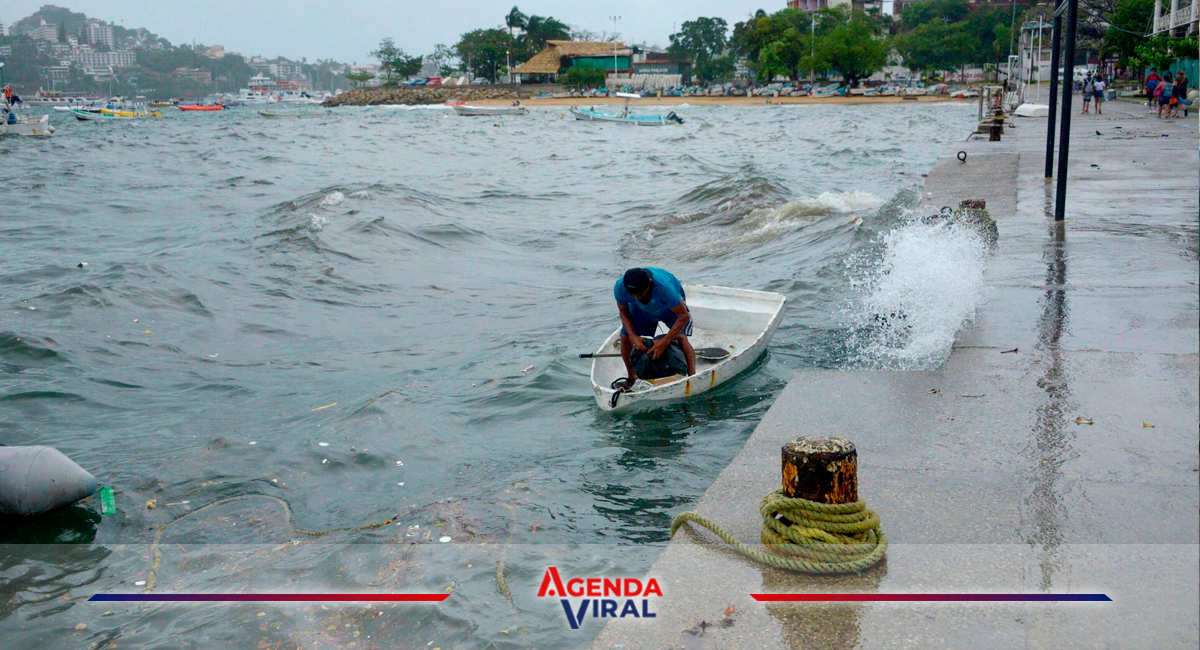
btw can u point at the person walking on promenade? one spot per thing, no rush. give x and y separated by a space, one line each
1151 84
1098 87
1165 91
1088 91
1180 93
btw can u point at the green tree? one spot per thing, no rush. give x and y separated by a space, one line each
515 20
386 53
406 66
933 11
360 77
1001 34
856 48
934 46
482 51
442 57
715 69
1162 50
1127 26
580 78
699 41
539 30
781 58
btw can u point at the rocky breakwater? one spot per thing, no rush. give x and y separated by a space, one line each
417 95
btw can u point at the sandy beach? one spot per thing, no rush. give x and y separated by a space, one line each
716 101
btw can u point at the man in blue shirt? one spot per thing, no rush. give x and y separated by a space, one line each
646 297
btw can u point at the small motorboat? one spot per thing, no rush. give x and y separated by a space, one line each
739 321
831 90
21 125
111 115
625 117
201 107
467 110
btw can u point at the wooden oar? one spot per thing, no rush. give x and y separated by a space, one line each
708 354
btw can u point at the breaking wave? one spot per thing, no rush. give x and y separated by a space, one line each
740 212
914 293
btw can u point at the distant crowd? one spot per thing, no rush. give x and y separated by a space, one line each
1166 93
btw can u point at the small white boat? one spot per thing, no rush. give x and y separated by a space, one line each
741 321
1029 109
625 117
467 110
39 126
830 90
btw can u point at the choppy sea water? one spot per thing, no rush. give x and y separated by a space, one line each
436 278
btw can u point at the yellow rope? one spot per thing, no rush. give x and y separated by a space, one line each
808 536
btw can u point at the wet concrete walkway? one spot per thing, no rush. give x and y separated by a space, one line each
989 484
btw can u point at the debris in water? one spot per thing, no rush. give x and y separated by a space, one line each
322 408
152 504
1082 420
108 503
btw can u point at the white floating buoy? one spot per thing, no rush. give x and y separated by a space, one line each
39 479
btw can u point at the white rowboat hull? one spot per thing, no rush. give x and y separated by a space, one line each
739 320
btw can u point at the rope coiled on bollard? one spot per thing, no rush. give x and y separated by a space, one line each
808 536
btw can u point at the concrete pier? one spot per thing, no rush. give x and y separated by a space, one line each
984 480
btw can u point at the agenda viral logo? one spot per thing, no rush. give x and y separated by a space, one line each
600 597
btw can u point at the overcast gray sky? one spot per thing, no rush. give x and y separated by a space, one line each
347 30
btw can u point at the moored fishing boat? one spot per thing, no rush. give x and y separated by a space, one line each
625 117
488 111
21 125
740 321
110 114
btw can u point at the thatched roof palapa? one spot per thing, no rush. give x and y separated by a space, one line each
550 60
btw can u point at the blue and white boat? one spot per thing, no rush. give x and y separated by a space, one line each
625 117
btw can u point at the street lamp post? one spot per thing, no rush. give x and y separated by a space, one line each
615 19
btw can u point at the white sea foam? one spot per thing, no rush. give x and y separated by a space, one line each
333 198
912 303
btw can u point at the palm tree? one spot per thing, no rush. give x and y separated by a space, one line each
515 20
538 30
